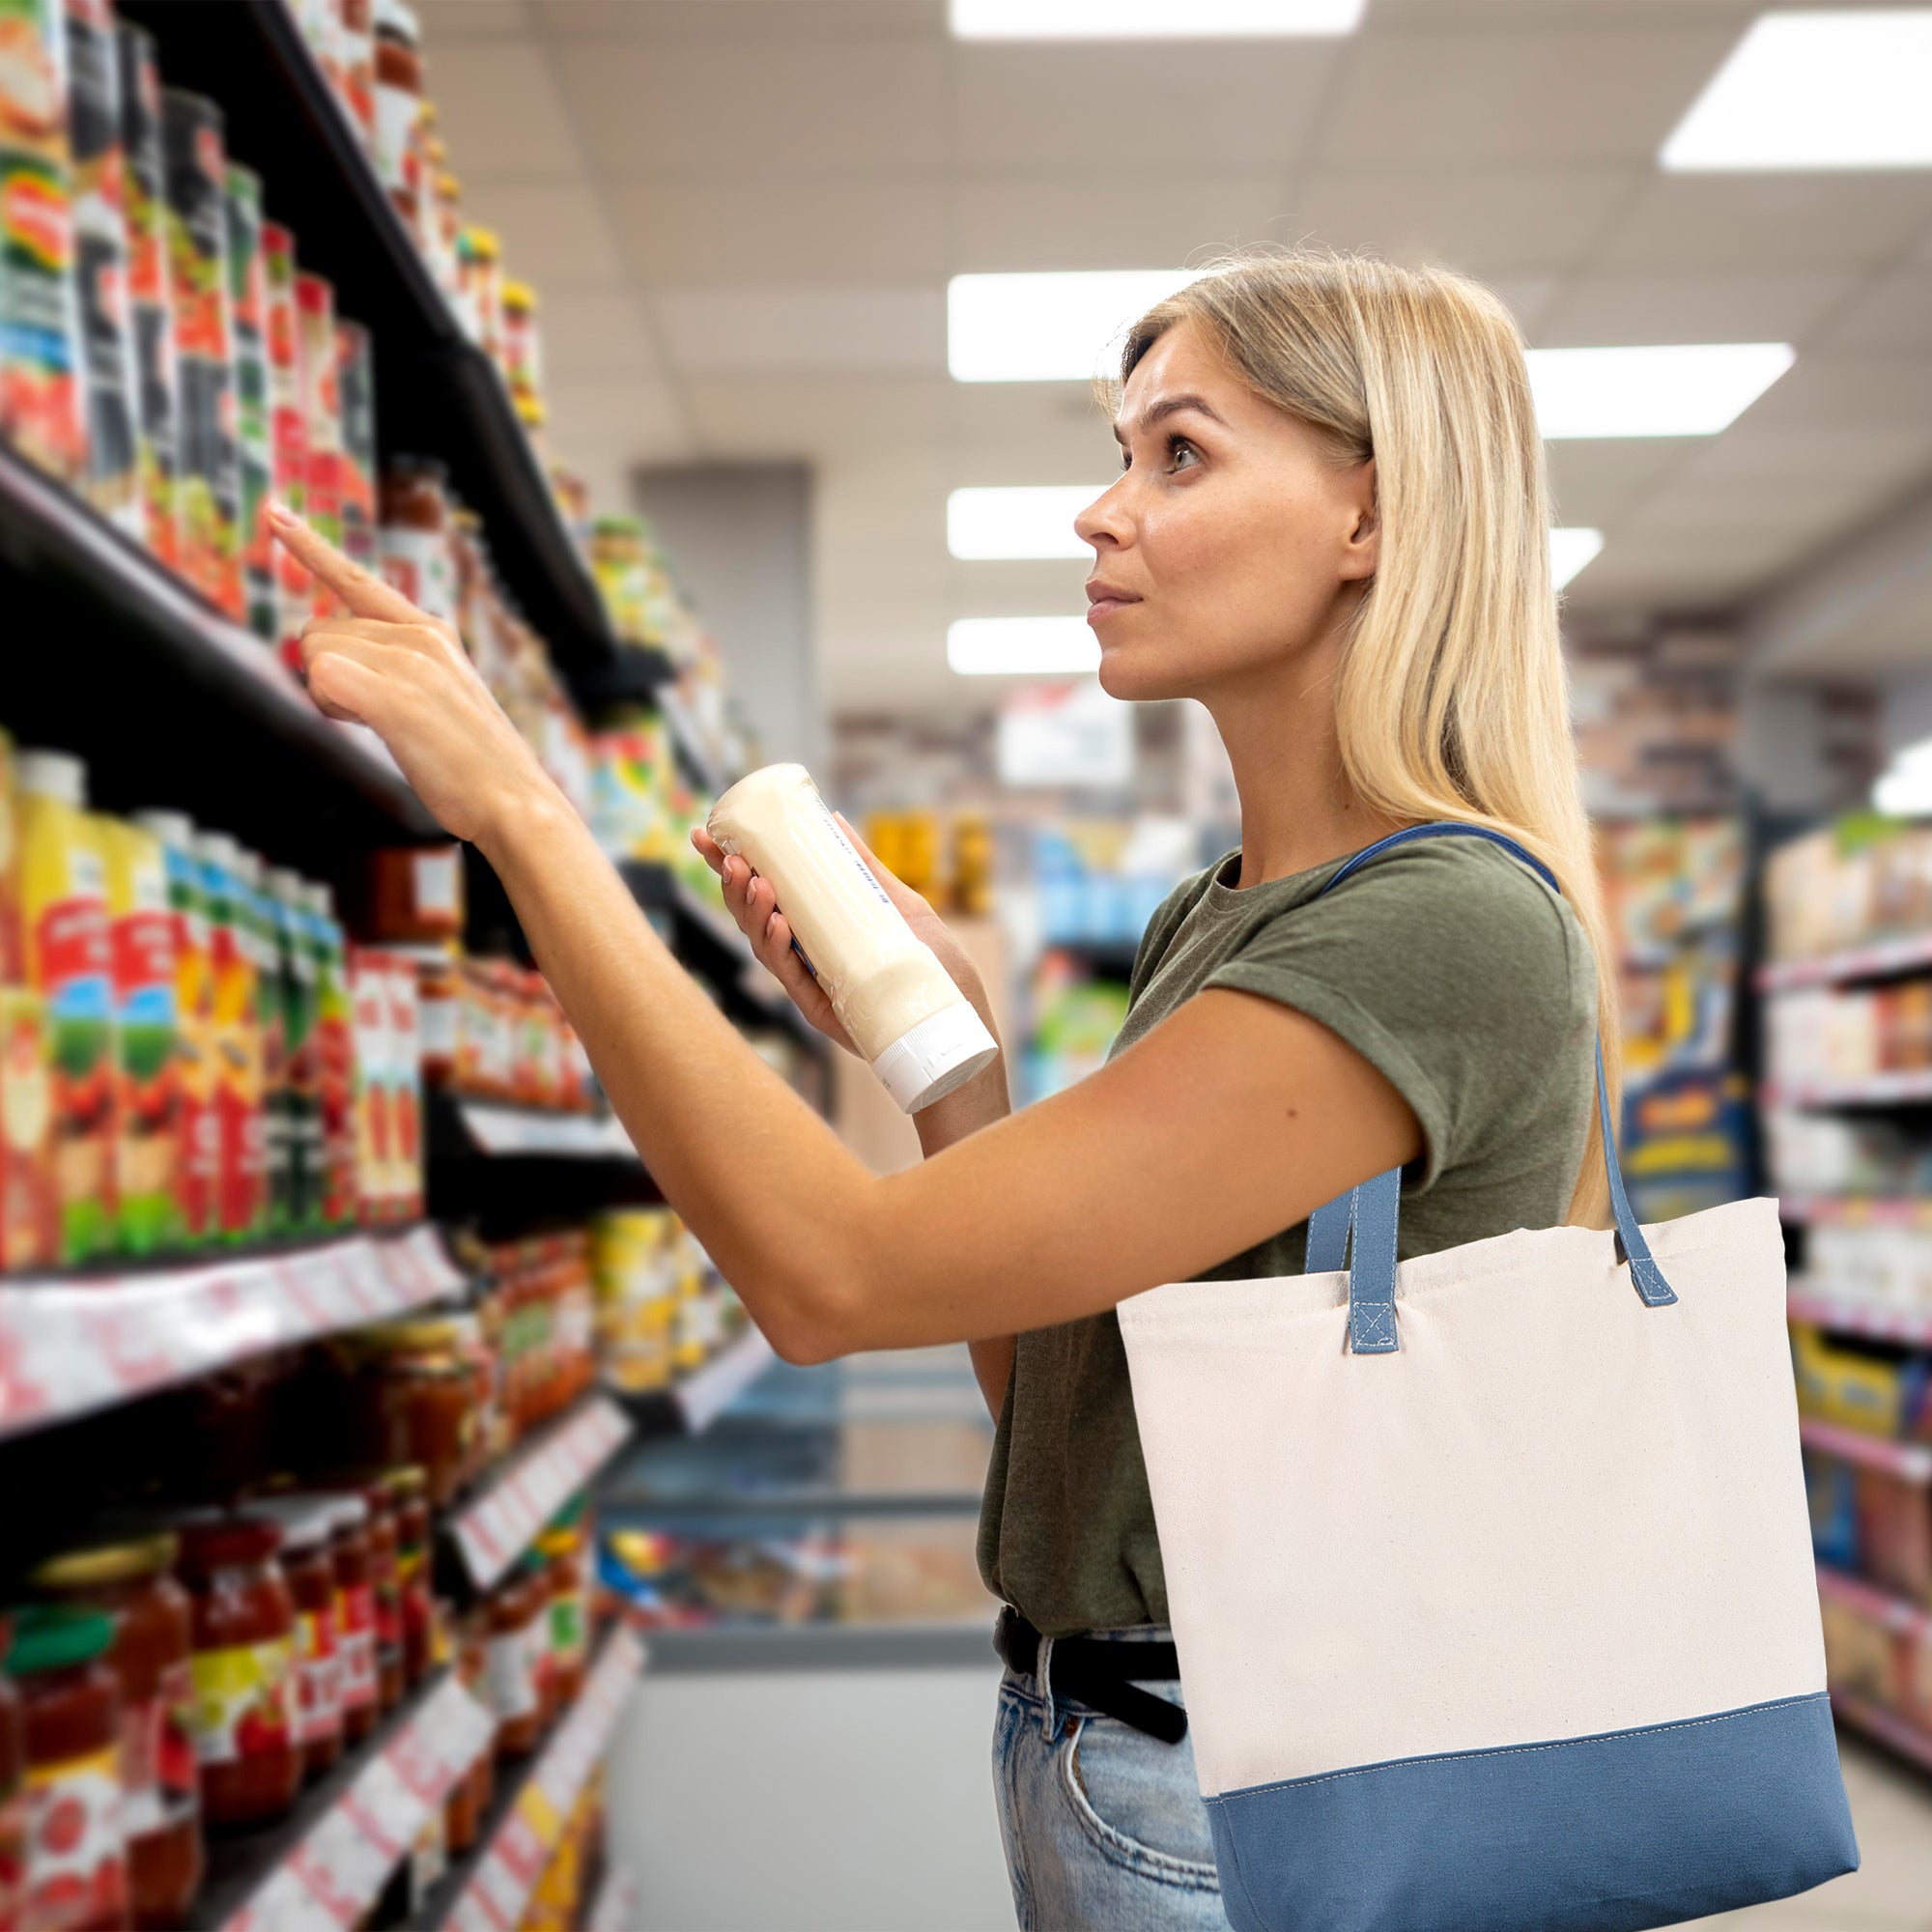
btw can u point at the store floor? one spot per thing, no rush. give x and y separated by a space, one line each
862 1801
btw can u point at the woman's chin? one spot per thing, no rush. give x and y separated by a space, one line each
1134 679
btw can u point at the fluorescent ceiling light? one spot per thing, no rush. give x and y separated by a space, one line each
1850 88
1057 327
1151 19
1904 789
1694 389
1021 646
1018 522
1571 547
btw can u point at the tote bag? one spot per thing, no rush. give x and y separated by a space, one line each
1490 1573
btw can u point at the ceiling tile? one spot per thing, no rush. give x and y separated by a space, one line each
1475 220
1162 109
445 21
595 334
1084 221
553 232
1033 589
743 21
640 415
1684 306
697 111
820 418
1709 223
722 233
500 111
1594 483
792 331
1702 571
1758 458
1857 391
1562 93
1892 311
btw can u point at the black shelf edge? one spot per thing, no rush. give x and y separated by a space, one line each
436 393
505 1194
121 662
239 1863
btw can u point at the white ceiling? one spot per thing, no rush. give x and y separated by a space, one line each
741 215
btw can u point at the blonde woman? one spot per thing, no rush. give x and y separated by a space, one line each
1330 528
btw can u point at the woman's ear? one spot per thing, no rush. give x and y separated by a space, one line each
1362 547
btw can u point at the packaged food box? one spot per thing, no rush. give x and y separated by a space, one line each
235 1029
248 298
288 428
148 1149
30 1217
375 1092
198 1145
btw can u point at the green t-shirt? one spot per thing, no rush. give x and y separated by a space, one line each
1457 972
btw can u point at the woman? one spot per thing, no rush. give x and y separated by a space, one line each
1330 528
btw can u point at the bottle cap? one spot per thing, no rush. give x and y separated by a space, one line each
55 774
940 1053
171 828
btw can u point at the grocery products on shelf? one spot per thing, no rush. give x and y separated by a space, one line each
662 1306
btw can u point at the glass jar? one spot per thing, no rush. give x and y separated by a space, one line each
399 102
408 1493
385 1580
12 1789
417 1402
515 1693
479 275
568 1612
243 1667
471 1799
154 1641
76 1875
355 1616
522 356
308 1560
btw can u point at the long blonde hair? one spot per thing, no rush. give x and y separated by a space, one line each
1451 699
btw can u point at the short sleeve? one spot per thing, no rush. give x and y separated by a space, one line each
1449 967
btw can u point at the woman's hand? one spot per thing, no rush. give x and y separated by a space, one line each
752 904
406 676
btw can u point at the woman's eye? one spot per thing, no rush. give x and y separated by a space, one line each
1181 453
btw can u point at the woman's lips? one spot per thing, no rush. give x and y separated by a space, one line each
1102 601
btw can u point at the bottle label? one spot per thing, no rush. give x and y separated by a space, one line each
356 1646
318 1674
509 1684
243 1700
566 1626
158 1778
76 1861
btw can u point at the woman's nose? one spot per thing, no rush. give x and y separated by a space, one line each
1104 520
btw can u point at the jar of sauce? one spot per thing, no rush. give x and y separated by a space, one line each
308 1560
408 1493
418 1402
399 105
569 1636
76 1875
511 1682
160 1805
244 1666
384 1577
12 1789
471 1798
479 272
355 1616
416 557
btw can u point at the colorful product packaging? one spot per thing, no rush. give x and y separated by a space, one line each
69 966
42 413
374 1133
405 1186
147 1147
247 298
101 263
356 391
297 1118
13 963
208 477
321 414
236 1035
198 1151
149 294
288 429
30 1220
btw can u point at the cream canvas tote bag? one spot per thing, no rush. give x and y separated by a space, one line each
1490 1571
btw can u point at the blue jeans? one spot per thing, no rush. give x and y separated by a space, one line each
1104 1827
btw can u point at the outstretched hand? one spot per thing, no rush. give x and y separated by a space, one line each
406 676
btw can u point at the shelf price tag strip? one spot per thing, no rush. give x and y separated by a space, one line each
494 1900
338 1870
498 1527
68 1346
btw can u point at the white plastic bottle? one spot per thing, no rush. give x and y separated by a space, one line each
916 1028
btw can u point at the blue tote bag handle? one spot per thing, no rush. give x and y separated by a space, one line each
1359 1227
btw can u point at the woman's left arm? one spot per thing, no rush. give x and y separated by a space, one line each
1232 1120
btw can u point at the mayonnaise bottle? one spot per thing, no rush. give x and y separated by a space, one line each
899 1005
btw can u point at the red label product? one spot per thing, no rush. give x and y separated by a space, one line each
247 297
288 428
150 296
208 464
321 413
356 389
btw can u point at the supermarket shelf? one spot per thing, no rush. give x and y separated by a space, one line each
688 742
486 1890
1913 1088
496 1527
76 1343
1887 1727
167 701
499 1166
1108 958
705 1394
328 1861
789 1647
499 1129
1910 1462
1860 1317
438 394
1876 961
1880 1605
615 1906
1854 1211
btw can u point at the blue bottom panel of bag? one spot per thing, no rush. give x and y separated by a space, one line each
1606 1834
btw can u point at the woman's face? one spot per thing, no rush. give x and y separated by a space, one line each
1233 543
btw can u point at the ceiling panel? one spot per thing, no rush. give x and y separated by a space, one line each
1684 306
595 334
553 233
1681 572
718 233
1711 222
1581 94
500 112
740 22
702 111
446 21
1836 388
639 415
818 417
1071 220
1163 109
1892 311
1595 483
1040 587
801 331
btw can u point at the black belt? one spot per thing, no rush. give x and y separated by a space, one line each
1105 1675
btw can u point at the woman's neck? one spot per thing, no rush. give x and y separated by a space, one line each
1298 808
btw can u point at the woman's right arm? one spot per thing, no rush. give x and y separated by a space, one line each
981 1101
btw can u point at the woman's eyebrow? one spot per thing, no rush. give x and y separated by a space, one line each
1165 407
